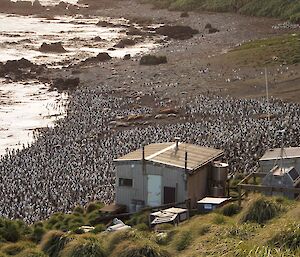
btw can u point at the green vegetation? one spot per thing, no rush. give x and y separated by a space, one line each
84 247
272 8
261 210
264 226
276 50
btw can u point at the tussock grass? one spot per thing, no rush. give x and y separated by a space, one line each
142 248
288 237
53 242
261 210
230 209
10 230
31 253
116 238
84 246
182 240
15 248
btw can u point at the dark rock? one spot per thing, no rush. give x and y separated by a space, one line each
111 49
127 57
125 42
98 39
37 5
105 24
153 60
52 47
101 57
208 26
184 14
177 32
20 69
212 30
135 32
66 84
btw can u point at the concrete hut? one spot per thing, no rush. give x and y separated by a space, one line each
164 173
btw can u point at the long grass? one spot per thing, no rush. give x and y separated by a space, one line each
260 210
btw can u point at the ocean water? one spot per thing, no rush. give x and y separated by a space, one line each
22 36
26 106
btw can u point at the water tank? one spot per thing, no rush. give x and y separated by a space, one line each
219 172
217 191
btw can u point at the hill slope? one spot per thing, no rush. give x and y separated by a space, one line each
264 227
283 9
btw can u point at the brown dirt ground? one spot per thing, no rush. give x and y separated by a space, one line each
182 76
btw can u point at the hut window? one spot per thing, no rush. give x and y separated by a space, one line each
125 182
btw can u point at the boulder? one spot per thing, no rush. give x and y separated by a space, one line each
153 60
101 57
105 24
125 42
177 32
98 39
184 14
127 57
212 30
20 69
52 47
135 32
66 84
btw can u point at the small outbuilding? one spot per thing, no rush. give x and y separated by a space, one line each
283 157
170 216
282 177
164 173
209 204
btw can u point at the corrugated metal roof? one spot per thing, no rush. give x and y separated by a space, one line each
288 153
166 153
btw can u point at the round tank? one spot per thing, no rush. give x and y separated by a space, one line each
219 172
217 191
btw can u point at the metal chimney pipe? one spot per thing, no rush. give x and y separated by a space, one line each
143 153
177 139
185 161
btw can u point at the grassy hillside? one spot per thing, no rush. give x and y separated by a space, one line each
282 49
263 227
284 9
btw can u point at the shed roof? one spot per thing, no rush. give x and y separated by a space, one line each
166 153
213 200
288 153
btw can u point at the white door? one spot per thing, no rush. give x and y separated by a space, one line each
154 190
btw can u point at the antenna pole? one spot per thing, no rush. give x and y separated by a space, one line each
268 104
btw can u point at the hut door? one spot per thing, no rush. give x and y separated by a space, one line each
154 190
169 195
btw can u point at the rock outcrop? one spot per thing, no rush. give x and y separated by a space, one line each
56 47
177 32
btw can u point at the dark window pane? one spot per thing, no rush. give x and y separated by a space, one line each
125 182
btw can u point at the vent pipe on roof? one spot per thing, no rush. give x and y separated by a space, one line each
185 161
143 153
177 139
